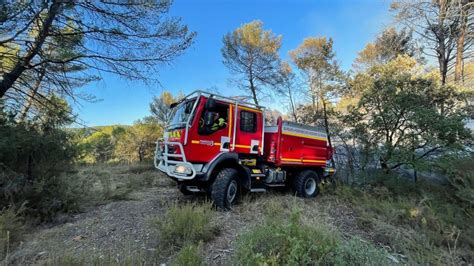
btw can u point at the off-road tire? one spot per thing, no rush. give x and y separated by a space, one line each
303 184
221 186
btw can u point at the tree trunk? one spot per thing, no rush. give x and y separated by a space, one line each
443 64
140 152
384 165
254 92
29 167
293 111
326 126
441 50
458 69
9 78
31 98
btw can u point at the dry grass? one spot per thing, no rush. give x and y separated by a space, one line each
422 221
185 224
288 236
11 230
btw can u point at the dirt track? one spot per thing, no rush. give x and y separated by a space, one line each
122 228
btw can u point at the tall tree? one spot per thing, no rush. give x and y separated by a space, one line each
396 112
289 88
40 83
438 24
160 107
252 53
130 39
387 46
316 58
465 37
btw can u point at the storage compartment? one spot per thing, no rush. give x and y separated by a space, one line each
290 143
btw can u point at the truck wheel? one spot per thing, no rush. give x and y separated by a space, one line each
306 184
225 189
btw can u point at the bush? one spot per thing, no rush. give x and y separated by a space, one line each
279 242
32 160
284 244
189 255
185 224
11 229
357 252
460 172
428 222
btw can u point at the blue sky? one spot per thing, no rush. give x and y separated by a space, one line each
351 23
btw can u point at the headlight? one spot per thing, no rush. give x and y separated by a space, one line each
182 169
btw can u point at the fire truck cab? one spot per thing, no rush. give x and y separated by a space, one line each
221 146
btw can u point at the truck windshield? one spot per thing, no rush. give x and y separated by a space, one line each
181 114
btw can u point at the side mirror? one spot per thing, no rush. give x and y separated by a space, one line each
208 118
173 105
210 104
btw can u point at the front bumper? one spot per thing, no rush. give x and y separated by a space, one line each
173 164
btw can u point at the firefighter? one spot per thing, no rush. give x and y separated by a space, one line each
218 123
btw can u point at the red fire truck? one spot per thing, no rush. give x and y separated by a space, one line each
222 146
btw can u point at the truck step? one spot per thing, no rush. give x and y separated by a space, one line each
258 190
193 189
259 175
275 185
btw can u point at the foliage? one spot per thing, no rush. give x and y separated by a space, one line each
289 89
252 52
32 159
119 143
396 111
11 229
407 216
185 224
280 242
140 141
96 148
317 59
100 36
271 116
189 255
460 172
356 251
386 47
160 107
442 28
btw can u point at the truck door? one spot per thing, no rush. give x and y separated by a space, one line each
208 140
249 128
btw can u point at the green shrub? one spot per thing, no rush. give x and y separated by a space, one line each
11 229
189 255
185 224
429 223
110 189
281 243
460 172
357 252
33 158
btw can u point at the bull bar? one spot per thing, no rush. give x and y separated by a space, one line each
164 160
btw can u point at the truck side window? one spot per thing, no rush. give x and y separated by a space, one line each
248 121
219 121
